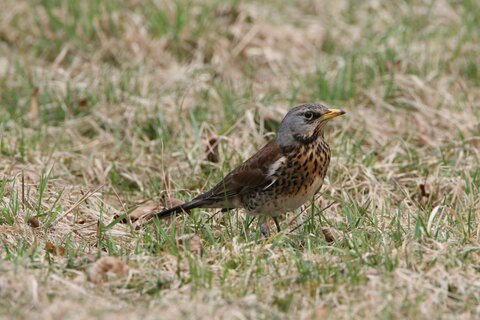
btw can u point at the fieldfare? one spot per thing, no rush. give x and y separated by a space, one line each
281 176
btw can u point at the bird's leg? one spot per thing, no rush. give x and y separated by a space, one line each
265 228
277 224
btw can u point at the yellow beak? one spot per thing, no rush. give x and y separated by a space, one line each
332 113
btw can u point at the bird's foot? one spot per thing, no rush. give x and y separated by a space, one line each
265 229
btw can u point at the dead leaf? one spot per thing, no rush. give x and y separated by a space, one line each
144 212
393 66
106 268
217 233
82 104
172 202
191 242
84 261
33 113
319 313
195 244
327 233
423 191
33 222
212 150
476 143
54 250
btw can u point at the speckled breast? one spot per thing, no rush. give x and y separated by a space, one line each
297 180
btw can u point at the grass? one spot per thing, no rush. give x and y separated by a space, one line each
106 105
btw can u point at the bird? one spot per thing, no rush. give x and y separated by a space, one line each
284 174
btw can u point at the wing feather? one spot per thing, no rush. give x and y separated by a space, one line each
255 173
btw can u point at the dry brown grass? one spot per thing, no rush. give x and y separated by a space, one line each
103 107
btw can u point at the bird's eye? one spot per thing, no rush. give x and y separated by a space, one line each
308 115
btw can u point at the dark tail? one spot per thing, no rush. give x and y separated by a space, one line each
180 208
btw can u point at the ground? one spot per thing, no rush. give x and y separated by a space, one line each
108 106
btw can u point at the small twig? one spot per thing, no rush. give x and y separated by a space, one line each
120 200
212 216
23 190
244 41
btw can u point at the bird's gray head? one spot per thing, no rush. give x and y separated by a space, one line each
304 124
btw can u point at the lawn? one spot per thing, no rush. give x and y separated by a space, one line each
109 106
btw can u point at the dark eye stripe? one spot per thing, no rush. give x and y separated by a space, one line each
315 115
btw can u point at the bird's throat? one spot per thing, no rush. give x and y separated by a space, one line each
308 139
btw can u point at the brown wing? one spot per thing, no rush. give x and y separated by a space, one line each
252 174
